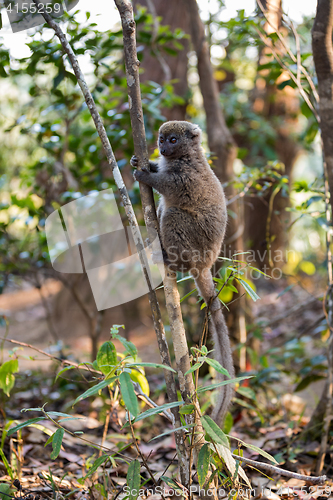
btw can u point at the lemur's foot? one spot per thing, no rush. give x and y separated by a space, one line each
140 175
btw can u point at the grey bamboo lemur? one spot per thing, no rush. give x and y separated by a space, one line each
192 217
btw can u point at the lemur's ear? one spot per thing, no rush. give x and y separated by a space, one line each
195 131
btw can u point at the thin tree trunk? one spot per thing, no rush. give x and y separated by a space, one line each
323 59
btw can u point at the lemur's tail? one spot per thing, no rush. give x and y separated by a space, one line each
222 350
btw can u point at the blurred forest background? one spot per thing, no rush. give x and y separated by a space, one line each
257 107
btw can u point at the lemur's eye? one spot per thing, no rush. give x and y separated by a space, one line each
173 140
161 140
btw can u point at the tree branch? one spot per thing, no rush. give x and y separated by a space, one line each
322 49
323 60
276 470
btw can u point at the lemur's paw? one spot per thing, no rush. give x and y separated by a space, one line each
134 162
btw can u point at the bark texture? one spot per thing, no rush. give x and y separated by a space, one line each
323 60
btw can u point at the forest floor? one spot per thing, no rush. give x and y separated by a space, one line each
274 422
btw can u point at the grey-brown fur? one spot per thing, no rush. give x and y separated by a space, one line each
192 216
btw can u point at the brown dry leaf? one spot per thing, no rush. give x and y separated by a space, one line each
153 446
71 457
277 434
80 423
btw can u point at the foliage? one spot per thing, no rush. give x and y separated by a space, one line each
61 157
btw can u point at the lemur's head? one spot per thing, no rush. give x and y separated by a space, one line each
178 138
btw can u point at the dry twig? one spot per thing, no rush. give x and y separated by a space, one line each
276 470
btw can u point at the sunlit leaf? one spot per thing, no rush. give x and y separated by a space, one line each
128 394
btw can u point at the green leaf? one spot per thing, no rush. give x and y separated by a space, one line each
241 153
128 394
7 466
106 357
57 442
187 295
49 440
224 382
171 431
6 492
24 424
151 365
214 431
203 464
129 346
249 289
59 78
158 409
64 370
256 449
64 415
186 278
115 329
96 388
231 287
71 76
186 409
193 368
246 392
133 479
170 482
245 404
303 384
286 83
228 423
97 463
260 272
7 379
218 367
289 287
